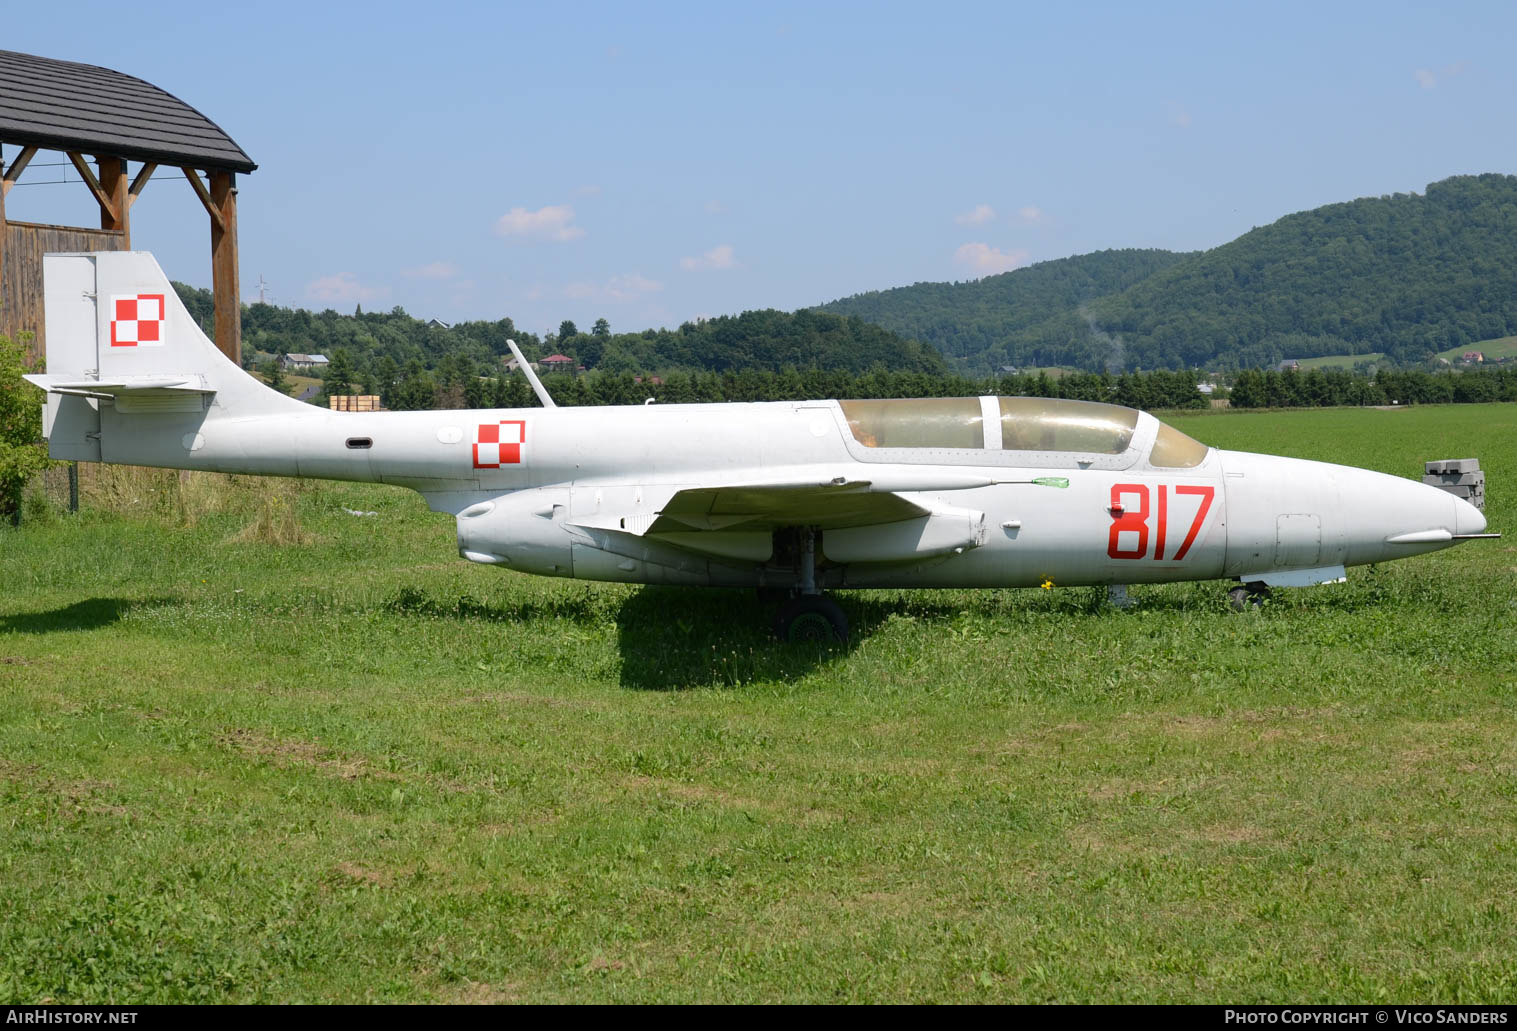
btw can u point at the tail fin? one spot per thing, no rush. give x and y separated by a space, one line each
120 344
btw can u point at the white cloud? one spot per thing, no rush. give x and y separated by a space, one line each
981 214
1181 117
344 286
626 287
1428 78
718 257
553 222
436 270
987 261
1032 213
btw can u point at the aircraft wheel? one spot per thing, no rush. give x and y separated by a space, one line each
811 617
1247 596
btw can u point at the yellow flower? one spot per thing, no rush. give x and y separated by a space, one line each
1047 585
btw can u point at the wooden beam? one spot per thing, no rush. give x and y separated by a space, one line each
113 183
17 167
205 197
101 197
226 286
143 175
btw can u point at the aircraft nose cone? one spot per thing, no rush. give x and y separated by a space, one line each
1467 518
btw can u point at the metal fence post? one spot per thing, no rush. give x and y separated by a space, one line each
73 486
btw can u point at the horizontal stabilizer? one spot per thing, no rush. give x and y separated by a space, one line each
116 385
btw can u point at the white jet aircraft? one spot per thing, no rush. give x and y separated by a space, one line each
793 496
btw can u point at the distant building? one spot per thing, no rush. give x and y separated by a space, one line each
438 324
1290 365
556 363
1473 357
1206 388
298 362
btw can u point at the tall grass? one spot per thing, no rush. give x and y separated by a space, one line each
356 768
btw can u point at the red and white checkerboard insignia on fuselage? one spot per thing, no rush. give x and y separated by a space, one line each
137 320
499 443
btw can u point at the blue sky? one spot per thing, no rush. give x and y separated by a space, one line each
655 162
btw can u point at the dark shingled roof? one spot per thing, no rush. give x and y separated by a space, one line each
61 105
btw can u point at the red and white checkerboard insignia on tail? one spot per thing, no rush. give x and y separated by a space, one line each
137 320
499 443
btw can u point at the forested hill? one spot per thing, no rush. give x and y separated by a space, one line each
384 344
1409 275
1031 316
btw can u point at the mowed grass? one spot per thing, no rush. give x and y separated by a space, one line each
233 769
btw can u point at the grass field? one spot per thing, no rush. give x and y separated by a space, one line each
1502 347
235 768
294 384
1339 361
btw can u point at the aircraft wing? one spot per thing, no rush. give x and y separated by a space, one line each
766 506
866 520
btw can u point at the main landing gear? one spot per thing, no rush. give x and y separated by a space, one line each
1245 596
809 615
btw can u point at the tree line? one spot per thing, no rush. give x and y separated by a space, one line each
454 385
384 345
453 388
1322 388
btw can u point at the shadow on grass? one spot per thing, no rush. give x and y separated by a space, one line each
674 638
412 601
90 614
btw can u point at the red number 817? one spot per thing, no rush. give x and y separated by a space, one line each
1125 520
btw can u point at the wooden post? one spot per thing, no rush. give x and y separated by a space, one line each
5 187
114 183
8 176
225 284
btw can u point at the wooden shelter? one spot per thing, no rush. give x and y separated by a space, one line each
97 115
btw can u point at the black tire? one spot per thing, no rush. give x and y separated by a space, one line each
811 617
1247 596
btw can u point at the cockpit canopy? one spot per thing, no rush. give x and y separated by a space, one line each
1026 424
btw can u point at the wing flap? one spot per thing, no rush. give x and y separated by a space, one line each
829 505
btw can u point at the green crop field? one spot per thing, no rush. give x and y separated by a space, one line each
256 748
1340 361
1501 347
